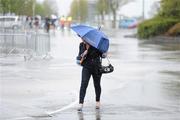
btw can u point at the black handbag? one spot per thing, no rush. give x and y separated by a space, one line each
106 69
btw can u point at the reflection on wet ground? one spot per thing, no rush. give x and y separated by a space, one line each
7 64
97 115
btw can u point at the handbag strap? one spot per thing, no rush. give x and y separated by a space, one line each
107 58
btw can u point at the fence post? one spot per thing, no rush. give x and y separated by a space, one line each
5 42
36 43
26 36
13 39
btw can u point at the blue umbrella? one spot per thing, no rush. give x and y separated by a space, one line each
93 36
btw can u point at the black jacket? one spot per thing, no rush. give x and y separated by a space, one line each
93 57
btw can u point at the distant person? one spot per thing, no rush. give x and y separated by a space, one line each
53 25
69 21
47 24
36 23
62 22
53 21
90 59
27 21
31 22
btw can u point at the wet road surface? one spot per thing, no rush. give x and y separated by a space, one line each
144 86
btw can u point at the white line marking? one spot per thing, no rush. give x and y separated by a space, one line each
65 107
20 118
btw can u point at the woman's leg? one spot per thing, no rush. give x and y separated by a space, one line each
97 85
84 83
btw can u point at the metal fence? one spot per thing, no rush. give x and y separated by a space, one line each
27 42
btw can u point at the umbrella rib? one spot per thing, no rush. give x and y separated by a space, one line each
88 32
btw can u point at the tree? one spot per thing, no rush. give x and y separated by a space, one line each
5 6
83 10
170 8
155 7
79 10
114 6
40 10
102 8
26 7
50 7
74 10
19 7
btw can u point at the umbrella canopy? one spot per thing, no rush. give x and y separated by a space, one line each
93 36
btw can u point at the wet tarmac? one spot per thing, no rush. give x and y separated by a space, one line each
144 86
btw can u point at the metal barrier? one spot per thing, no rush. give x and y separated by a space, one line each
26 42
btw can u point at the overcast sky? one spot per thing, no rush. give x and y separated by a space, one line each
63 6
131 9
135 8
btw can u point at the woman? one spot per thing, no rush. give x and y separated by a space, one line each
90 58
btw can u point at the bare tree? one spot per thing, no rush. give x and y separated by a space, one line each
102 8
114 6
155 7
79 10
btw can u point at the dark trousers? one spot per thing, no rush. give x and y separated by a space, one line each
86 74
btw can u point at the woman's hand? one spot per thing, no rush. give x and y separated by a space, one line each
84 53
87 46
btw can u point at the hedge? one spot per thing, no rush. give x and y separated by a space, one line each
155 26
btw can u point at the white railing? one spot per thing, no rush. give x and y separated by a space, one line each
27 42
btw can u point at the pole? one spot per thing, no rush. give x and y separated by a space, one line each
143 9
33 8
79 18
78 9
